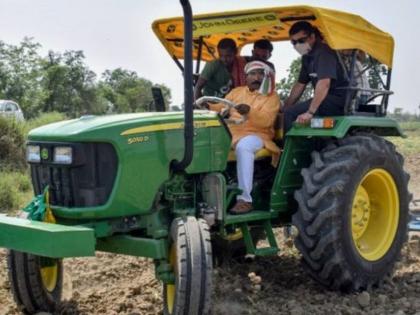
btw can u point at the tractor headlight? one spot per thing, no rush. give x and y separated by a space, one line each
63 155
33 153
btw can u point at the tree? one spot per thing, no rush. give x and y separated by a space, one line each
62 82
285 85
127 92
70 85
20 70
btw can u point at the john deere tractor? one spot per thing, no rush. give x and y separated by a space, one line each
160 184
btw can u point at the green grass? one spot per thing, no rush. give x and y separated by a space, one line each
411 144
15 190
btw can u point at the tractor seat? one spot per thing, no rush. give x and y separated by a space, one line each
263 153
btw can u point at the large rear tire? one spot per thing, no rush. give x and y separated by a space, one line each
353 212
36 281
191 258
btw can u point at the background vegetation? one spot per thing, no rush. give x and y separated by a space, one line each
62 82
15 184
60 85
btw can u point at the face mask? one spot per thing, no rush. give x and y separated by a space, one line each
303 48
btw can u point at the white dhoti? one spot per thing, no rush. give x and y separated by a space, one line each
245 156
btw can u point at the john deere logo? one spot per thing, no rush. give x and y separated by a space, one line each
44 154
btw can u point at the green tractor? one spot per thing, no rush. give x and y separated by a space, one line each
159 184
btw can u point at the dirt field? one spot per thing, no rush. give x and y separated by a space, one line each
114 284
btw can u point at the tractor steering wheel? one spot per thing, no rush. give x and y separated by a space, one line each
225 111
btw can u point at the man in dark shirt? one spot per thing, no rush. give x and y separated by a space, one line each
321 67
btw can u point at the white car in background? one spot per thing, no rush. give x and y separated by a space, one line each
11 109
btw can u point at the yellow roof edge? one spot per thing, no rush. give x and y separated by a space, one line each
318 12
210 15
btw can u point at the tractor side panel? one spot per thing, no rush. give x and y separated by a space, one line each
296 155
211 149
382 126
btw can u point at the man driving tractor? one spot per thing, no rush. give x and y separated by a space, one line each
259 102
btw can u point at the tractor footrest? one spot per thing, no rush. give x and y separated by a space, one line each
251 216
250 246
266 251
46 239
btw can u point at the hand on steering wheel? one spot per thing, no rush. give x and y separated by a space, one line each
243 109
228 105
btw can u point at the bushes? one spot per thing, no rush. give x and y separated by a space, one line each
12 144
15 184
13 137
411 144
15 190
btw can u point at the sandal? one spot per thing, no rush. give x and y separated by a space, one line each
241 207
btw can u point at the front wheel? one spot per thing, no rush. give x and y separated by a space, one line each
36 281
353 212
190 256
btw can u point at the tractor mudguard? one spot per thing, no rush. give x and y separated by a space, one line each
382 126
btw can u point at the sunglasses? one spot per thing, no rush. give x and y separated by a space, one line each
299 40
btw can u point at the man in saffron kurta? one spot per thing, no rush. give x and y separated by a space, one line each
260 104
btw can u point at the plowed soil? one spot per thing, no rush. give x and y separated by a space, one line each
115 284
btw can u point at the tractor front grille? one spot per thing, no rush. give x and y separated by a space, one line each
87 182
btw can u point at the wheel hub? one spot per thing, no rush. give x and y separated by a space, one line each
375 214
361 213
49 274
170 288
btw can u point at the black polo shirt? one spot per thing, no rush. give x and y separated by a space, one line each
322 63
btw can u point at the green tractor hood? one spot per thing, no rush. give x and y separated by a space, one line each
144 146
104 128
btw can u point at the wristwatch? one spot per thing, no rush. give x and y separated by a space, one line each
310 112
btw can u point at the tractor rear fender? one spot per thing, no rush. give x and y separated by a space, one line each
300 141
382 126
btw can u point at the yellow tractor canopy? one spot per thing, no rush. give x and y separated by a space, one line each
341 30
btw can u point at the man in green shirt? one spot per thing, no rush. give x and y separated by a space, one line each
221 75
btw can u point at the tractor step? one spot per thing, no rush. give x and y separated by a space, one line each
251 216
46 239
267 251
263 251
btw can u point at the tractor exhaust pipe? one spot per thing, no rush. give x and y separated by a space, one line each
188 90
